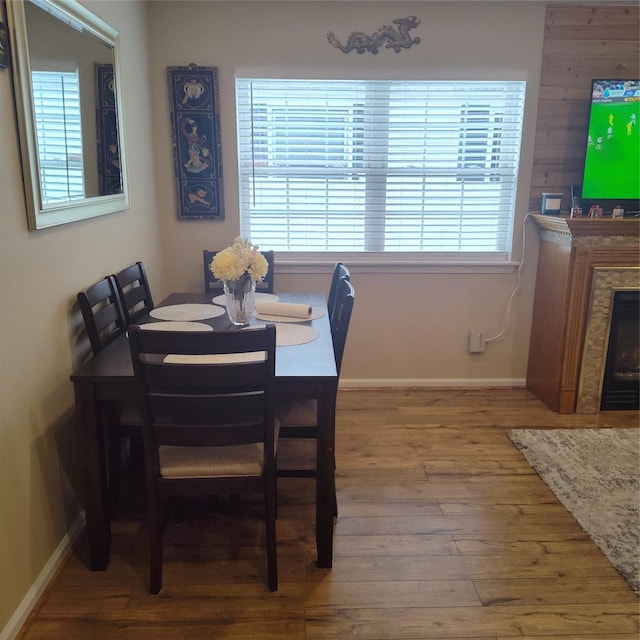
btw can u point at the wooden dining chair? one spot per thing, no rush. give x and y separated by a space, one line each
134 291
136 302
102 313
214 286
298 416
207 401
340 271
104 321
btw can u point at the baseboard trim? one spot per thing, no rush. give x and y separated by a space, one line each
450 383
62 552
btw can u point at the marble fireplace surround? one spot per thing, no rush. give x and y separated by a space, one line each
606 281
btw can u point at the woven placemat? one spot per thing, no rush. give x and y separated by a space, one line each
215 358
187 312
289 335
266 297
176 326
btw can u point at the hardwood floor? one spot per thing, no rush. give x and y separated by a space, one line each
444 531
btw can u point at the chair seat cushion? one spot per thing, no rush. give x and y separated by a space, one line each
214 462
211 462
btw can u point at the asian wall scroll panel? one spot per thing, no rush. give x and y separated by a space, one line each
109 165
195 123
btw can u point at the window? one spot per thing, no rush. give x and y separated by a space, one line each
56 104
356 166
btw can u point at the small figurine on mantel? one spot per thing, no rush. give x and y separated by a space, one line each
576 212
595 211
618 212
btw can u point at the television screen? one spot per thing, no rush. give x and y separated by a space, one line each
612 157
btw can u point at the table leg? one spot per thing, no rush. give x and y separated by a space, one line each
325 481
93 475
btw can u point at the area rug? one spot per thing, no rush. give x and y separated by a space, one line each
595 474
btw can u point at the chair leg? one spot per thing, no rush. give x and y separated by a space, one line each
155 573
335 494
156 534
276 490
136 452
270 522
178 509
114 455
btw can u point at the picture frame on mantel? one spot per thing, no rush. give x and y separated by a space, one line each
197 149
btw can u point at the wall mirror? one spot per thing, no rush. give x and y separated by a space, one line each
66 78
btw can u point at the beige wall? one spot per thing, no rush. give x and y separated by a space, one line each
40 274
428 312
436 310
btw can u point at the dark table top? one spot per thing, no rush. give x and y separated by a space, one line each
310 361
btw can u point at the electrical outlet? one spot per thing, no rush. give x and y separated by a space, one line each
476 341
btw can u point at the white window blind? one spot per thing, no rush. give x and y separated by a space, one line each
56 104
343 166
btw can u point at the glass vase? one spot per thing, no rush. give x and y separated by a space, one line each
240 298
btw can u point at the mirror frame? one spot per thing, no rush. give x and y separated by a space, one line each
41 216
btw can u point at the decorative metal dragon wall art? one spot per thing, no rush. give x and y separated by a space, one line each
386 35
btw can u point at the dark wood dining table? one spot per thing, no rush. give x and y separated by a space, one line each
307 370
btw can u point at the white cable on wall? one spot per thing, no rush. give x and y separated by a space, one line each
515 291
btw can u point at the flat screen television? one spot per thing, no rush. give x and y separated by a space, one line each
612 156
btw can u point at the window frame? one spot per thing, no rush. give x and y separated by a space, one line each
432 261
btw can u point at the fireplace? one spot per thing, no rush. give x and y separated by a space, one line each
581 263
621 380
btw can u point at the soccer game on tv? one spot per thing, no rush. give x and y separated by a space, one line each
612 159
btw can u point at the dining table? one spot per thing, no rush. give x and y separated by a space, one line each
305 367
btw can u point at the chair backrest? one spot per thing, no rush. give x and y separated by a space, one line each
102 313
341 318
135 294
212 285
340 271
205 389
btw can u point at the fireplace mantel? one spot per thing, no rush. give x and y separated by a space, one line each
585 227
570 250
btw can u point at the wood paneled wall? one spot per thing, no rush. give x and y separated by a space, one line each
581 43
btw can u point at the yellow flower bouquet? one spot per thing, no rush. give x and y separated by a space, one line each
239 267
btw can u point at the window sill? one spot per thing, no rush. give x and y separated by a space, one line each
390 263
